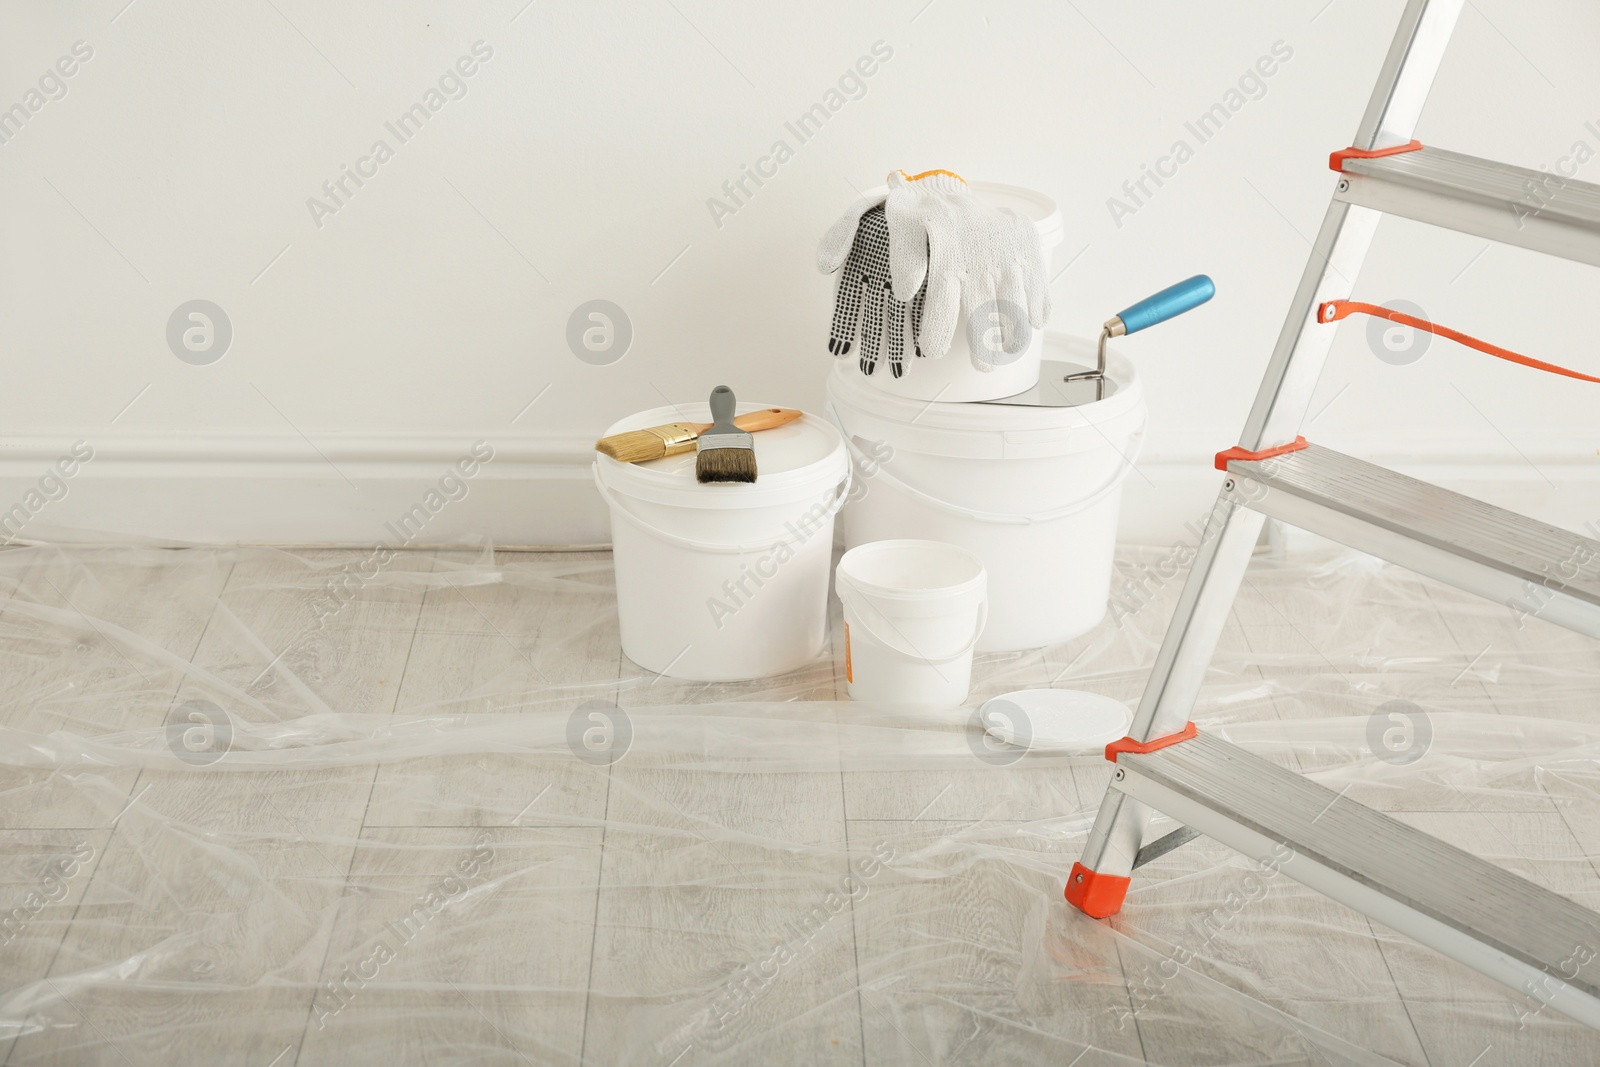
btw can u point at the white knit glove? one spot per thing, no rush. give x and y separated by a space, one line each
835 244
985 261
981 260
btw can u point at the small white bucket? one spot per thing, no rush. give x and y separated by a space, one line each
725 582
913 611
960 374
1032 492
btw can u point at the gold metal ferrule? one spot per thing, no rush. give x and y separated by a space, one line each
677 437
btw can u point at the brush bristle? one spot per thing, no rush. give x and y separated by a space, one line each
635 446
725 465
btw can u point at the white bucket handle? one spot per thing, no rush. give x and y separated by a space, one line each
617 507
913 654
987 516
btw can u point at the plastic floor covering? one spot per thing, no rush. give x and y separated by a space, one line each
270 808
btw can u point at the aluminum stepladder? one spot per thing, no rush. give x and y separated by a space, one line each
1504 926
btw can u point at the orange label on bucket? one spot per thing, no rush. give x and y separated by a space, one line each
848 676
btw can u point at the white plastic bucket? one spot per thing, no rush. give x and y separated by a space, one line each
913 611
960 375
725 582
1032 492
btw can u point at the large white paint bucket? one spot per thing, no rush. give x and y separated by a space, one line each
913 611
986 374
725 582
1033 492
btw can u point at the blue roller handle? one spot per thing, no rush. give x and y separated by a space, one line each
1169 303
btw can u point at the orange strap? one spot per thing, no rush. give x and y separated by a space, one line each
1334 310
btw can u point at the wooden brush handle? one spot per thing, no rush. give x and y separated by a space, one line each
754 421
765 419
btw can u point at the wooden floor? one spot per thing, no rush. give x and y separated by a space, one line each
439 818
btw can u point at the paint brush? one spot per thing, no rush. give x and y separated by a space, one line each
724 453
641 446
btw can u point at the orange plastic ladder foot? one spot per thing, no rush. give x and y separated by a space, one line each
1096 895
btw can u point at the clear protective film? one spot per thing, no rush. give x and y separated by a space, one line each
336 808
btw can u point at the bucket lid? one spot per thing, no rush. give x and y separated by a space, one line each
794 462
983 431
1028 203
1056 720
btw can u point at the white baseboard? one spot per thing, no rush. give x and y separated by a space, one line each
334 489
350 489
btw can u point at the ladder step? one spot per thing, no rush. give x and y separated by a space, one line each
1482 915
1533 568
1513 205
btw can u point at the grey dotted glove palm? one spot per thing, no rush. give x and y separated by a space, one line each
864 304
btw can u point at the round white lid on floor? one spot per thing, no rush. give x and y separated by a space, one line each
1056 720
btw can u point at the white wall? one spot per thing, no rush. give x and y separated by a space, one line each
373 345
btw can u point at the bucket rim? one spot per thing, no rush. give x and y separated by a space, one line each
956 593
971 422
1048 219
638 481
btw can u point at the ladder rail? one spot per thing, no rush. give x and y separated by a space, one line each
1226 545
1499 924
1406 77
1303 344
1280 407
1347 231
